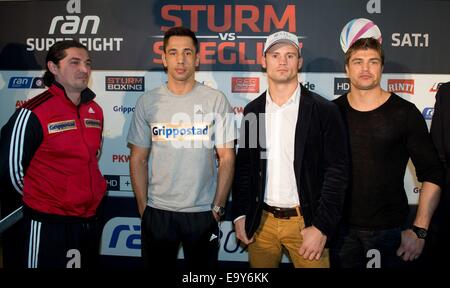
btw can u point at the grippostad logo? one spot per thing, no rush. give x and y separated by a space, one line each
75 26
123 109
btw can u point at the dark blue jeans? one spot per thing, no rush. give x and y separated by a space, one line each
352 248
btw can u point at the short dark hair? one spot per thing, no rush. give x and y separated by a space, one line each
180 31
56 53
364 44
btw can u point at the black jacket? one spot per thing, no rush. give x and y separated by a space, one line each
321 163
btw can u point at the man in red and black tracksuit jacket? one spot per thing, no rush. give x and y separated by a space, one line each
49 149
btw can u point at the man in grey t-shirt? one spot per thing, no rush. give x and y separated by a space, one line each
182 160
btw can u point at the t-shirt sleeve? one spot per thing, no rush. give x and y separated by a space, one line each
225 129
421 149
139 133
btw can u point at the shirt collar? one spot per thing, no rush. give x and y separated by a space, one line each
293 99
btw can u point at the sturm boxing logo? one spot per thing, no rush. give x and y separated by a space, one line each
125 83
75 26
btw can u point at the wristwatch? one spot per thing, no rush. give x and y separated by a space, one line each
420 232
219 210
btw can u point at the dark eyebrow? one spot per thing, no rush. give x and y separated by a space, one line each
184 50
370 59
79 59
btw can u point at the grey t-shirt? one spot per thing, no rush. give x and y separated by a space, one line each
181 132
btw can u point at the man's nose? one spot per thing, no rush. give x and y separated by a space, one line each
85 68
180 58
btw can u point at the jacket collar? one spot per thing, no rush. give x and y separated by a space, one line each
301 129
86 95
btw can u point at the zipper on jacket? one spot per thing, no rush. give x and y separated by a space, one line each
89 154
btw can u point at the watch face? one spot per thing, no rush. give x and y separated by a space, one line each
420 232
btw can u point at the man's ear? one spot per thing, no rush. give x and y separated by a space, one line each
52 67
300 62
163 57
197 59
263 62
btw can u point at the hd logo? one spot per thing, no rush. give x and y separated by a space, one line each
341 86
121 237
26 83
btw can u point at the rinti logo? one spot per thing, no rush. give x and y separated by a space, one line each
401 85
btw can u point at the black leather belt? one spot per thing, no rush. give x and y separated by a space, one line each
282 213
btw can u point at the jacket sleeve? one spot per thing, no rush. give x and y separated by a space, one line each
19 140
437 126
336 174
241 184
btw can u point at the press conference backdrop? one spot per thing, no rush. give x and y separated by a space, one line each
125 43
